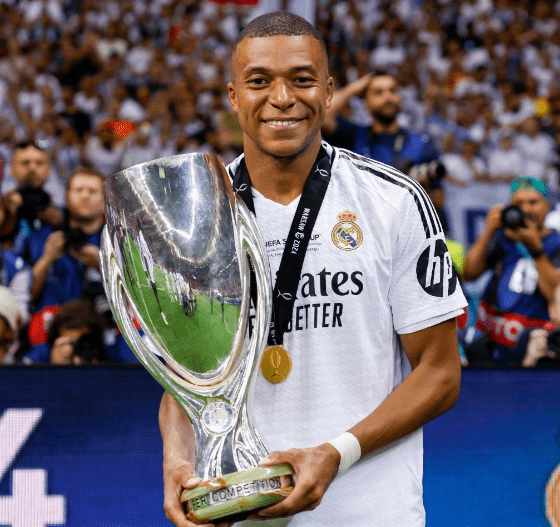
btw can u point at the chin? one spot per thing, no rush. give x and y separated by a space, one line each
286 148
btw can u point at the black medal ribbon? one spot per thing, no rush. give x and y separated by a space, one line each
287 279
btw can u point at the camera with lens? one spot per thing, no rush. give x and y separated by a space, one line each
34 200
75 238
513 218
90 347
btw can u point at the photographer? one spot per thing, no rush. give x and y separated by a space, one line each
75 337
69 263
524 256
30 199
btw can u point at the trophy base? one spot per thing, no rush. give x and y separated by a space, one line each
234 496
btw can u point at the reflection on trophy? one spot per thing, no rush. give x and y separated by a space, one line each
174 258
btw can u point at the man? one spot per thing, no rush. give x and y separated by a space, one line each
69 261
384 140
524 259
358 289
31 191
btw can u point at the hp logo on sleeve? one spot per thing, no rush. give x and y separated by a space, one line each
435 270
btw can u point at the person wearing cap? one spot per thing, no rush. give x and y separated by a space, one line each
525 263
11 318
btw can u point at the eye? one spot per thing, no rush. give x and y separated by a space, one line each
304 80
257 81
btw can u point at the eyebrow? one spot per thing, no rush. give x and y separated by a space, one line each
295 69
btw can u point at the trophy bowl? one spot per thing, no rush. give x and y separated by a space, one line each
176 254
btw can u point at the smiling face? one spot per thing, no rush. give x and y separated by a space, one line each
280 91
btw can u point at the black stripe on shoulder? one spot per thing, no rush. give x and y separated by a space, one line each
430 219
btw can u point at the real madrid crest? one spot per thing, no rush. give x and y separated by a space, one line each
346 234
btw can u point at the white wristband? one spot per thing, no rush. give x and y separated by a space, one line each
349 448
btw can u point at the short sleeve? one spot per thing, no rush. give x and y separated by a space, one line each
424 283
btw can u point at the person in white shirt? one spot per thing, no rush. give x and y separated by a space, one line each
373 331
505 163
536 147
465 167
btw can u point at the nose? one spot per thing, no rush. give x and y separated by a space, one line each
281 95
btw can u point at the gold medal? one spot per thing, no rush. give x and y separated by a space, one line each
276 364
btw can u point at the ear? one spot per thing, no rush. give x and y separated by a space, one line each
231 96
330 91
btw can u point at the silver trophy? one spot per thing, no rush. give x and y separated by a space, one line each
174 259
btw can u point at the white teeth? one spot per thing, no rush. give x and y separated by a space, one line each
281 123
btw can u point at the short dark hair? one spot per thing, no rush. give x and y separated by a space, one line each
73 315
26 144
280 23
84 171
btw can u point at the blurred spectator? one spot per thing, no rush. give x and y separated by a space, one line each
466 167
505 163
87 99
68 263
104 151
524 257
29 208
15 274
11 320
67 154
140 147
543 348
75 337
536 147
75 118
384 140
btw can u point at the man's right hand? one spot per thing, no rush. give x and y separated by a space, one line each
494 218
12 200
175 481
359 87
55 246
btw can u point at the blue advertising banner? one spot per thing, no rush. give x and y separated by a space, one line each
80 447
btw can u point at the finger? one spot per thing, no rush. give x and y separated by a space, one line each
299 499
174 513
191 483
277 458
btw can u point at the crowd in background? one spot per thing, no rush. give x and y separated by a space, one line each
107 85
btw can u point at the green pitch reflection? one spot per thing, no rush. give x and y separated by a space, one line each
199 342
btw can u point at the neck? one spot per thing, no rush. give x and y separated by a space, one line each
89 226
379 127
280 179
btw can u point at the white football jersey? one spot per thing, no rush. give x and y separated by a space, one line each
377 265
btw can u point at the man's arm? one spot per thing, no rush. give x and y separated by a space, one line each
54 249
179 449
341 98
476 259
430 390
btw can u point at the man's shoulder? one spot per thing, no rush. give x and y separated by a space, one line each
377 179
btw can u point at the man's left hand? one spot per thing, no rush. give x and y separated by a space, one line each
315 468
529 235
88 255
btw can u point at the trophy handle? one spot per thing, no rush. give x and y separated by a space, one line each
248 447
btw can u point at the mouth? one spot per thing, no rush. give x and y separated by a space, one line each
281 123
